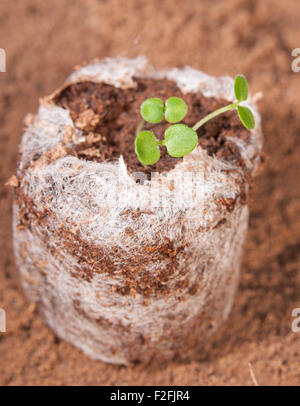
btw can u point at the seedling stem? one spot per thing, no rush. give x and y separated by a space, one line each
214 114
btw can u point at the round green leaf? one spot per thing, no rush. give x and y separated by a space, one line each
146 148
152 110
241 88
246 117
176 109
180 140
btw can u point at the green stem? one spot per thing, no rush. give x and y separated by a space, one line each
214 114
139 127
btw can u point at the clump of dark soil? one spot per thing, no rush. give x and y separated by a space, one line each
109 116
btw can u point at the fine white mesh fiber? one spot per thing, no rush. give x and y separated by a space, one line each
90 199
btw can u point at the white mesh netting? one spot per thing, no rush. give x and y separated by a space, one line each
98 203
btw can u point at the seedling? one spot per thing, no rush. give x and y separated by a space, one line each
179 139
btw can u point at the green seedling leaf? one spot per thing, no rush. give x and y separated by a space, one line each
246 117
152 110
241 88
180 140
146 148
175 110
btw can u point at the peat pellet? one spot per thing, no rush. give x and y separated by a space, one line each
126 262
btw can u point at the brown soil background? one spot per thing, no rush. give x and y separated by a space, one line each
43 41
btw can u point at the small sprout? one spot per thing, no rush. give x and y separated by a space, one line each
241 88
246 117
152 110
175 110
180 140
146 148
